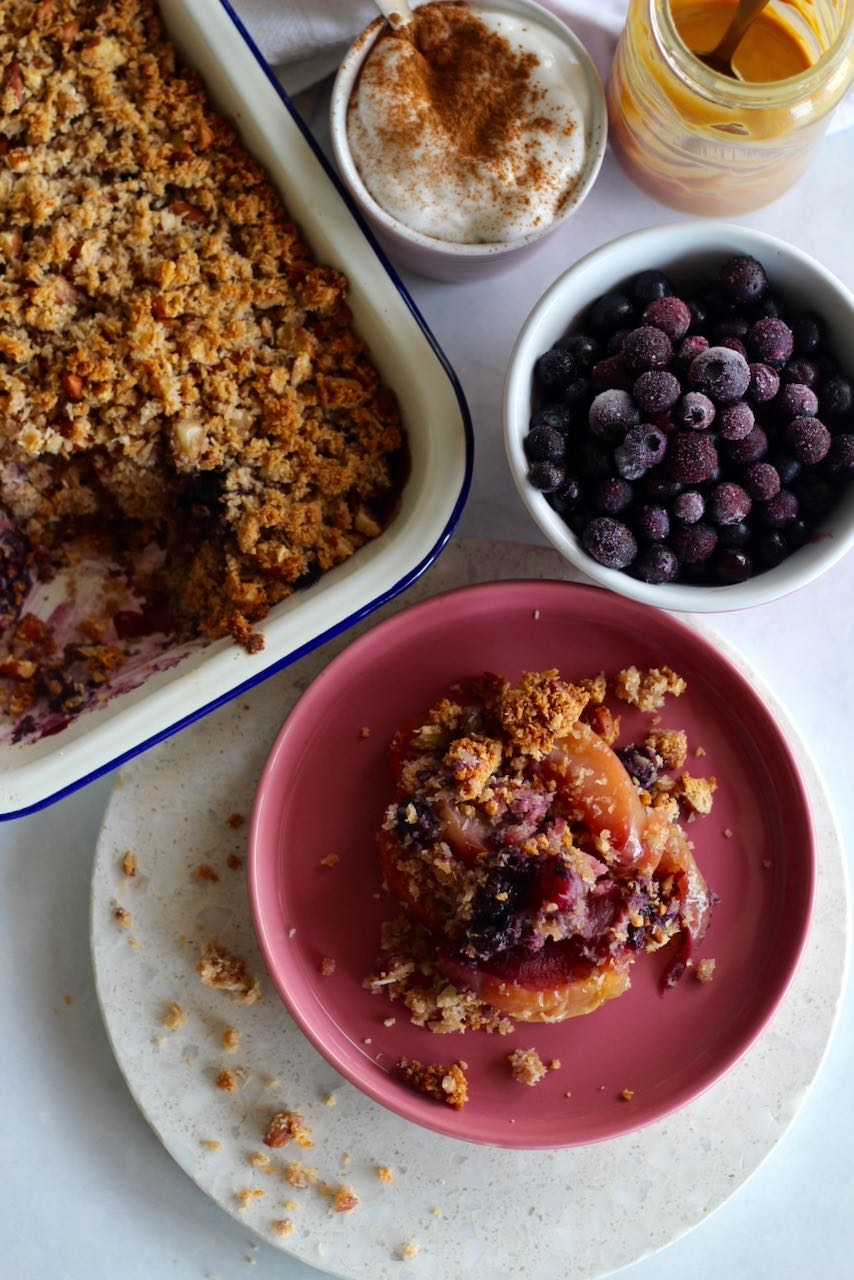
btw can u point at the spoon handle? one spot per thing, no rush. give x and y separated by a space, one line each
396 12
732 37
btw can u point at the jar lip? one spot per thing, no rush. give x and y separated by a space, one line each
737 93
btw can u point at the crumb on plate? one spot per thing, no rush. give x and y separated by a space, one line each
648 689
705 970
446 1084
129 863
219 969
385 1173
287 1126
283 1226
526 1066
173 1016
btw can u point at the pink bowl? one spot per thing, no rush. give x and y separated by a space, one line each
324 790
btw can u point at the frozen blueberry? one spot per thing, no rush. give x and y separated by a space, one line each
761 481
797 533
653 522
764 383
689 507
813 492
751 449
609 373
689 348
743 279
730 327
546 476
584 349
614 345
693 457
736 421
611 415
566 497
656 391
779 510
612 496
659 486
658 564
554 370
808 333
732 565
796 401
556 416
699 314
695 411
728 504
611 311
646 348
694 543
610 542
808 439
840 455
671 315
544 444
787 467
768 305
836 396
734 535
578 517
770 341
650 285
771 547
799 369
595 460
734 344
721 374
642 449
577 395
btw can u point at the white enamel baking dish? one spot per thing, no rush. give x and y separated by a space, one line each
211 39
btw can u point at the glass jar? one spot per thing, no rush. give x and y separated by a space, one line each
705 143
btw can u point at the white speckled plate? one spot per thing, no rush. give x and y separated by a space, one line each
576 1214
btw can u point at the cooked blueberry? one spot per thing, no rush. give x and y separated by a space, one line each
610 542
650 285
611 415
693 457
611 311
656 391
544 444
751 449
554 370
799 369
814 494
743 279
584 349
556 416
770 341
732 565
694 543
764 383
670 315
546 476
840 455
612 496
646 348
808 333
796 401
721 374
808 439
736 421
836 395
638 761
658 564
653 522
642 449
689 507
695 411
761 481
610 372
771 547
780 510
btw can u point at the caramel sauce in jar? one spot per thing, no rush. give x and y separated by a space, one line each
705 143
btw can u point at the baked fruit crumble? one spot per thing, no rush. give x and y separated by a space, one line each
533 863
182 393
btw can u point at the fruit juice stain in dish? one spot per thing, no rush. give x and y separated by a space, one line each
710 144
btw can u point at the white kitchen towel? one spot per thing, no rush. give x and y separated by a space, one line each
305 39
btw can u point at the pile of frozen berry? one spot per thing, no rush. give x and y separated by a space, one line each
696 438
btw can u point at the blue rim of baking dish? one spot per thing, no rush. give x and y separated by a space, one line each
389 594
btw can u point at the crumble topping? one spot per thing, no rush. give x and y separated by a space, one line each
129 865
539 710
670 745
697 792
283 1226
626 1095
247 1197
299 1175
287 1126
705 970
173 1017
648 689
327 966
230 1039
344 1200
122 917
226 1080
178 374
527 1067
220 969
446 1084
409 1250
384 1173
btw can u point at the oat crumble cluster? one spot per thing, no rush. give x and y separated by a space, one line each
181 388
533 861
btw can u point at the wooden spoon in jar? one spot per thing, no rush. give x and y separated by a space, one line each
720 58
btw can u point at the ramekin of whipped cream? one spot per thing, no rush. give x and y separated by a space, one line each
469 136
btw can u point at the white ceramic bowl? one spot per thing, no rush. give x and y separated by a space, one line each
186 681
690 251
444 259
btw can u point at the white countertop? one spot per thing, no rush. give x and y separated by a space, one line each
87 1191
